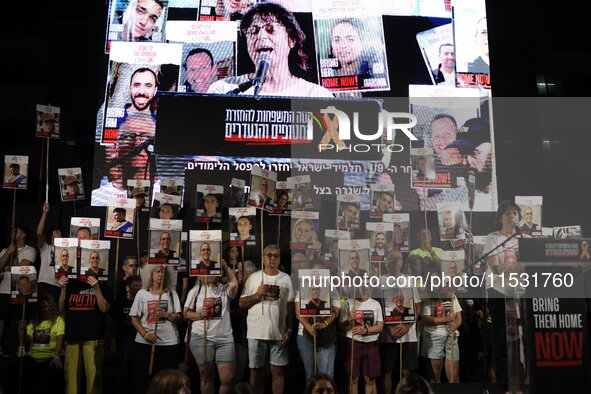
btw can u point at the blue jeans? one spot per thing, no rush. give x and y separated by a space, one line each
324 357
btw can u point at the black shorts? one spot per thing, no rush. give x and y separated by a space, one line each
390 354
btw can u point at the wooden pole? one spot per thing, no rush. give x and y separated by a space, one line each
470 243
315 363
137 235
242 259
205 324
262 265
352 343
425 208
13 210
278 230
153 351
47 172
400 339
116 269
452 344
21 348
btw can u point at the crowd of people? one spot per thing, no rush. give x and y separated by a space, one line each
244 325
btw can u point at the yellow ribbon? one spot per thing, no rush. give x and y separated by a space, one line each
585 250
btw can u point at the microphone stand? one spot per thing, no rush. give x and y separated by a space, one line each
484 341
131 153
148 146
243 87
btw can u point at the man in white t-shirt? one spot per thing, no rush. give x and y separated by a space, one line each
362 320
16 253
46 282
269 298
395 334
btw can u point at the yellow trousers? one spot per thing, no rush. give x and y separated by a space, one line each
87 355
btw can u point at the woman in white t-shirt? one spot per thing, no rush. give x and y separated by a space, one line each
212 342
155 324
441 320
501 261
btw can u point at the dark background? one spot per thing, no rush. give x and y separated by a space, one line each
52 53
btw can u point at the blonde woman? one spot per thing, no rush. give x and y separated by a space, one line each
208 307
303 232
155 323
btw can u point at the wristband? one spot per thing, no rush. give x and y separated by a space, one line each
56 356
147 333
325 323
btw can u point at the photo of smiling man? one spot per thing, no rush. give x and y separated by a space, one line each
136 20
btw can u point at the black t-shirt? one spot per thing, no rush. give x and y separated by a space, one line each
84 320
125 330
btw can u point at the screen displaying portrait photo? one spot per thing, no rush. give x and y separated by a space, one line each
94 259
382 200
71 185
65 251
531 214
242 226
85 228
165 241
451 221
48 121
400 230
422 165
350 45
314 295
283 199
237 187
136 20
209 53
205 253
305 230
302 193
165 206
399 306
354 257
262 188
119 222
348 207
139 189
209 203
23 284
452 266
15 172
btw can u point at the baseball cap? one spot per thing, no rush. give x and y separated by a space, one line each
70 179
137 191
47 117
474 132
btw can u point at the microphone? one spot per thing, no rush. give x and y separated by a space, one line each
517 230
263 64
